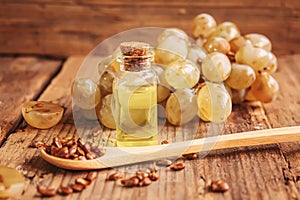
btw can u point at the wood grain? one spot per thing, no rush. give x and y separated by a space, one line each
69 27
261 172
21 79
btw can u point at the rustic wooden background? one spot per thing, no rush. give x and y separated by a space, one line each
71 27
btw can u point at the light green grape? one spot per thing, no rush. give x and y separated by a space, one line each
265 87
181 107
214 102
41 114
217 44
172 32
182 74
216 67
203 25
86 93
104 113
259 41
241 76
227 30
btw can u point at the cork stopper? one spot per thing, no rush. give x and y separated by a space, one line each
136 56
134 48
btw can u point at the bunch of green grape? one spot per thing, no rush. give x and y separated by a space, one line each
197 78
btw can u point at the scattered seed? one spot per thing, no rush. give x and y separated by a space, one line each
145 182
128 182
153 176
77 187
46 192
177 166
164 142
164 163
92 176
65 190
190 156
1 179
115 176
82 181
219 186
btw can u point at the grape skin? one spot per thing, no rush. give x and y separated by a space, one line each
214 103
203 25
41 114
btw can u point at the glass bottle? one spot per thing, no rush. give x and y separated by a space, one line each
135 96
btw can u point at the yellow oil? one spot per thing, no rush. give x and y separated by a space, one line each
136 113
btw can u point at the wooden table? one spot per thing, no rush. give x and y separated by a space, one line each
261 172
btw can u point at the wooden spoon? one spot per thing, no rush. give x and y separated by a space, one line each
117 156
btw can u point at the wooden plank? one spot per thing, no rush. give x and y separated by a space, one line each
263 172
77 27
21 79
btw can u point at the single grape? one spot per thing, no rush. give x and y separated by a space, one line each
265 87
273 64
105 113
106 82
181 107
86 93
238 42
170 49
227 30
216 67
214 102
196 54
249 95
172 32
217 44
257 58
203 25
259 41
182 74
241 76
41 114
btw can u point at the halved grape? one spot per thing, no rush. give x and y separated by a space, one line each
217 44
265 87
214 102
216 67
241 76
259 40
86 93
41 114
182 74
181 107
203 25
105 113
227 30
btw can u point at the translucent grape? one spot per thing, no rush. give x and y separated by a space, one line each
86 93
265 87
203 25
227 30
181 107
182 74
173 45
216 67
217 44
105 113
249 95
42 115
238 42
106 82
196 54
241 76
259 40
257 58
214 102
273 64
172 32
